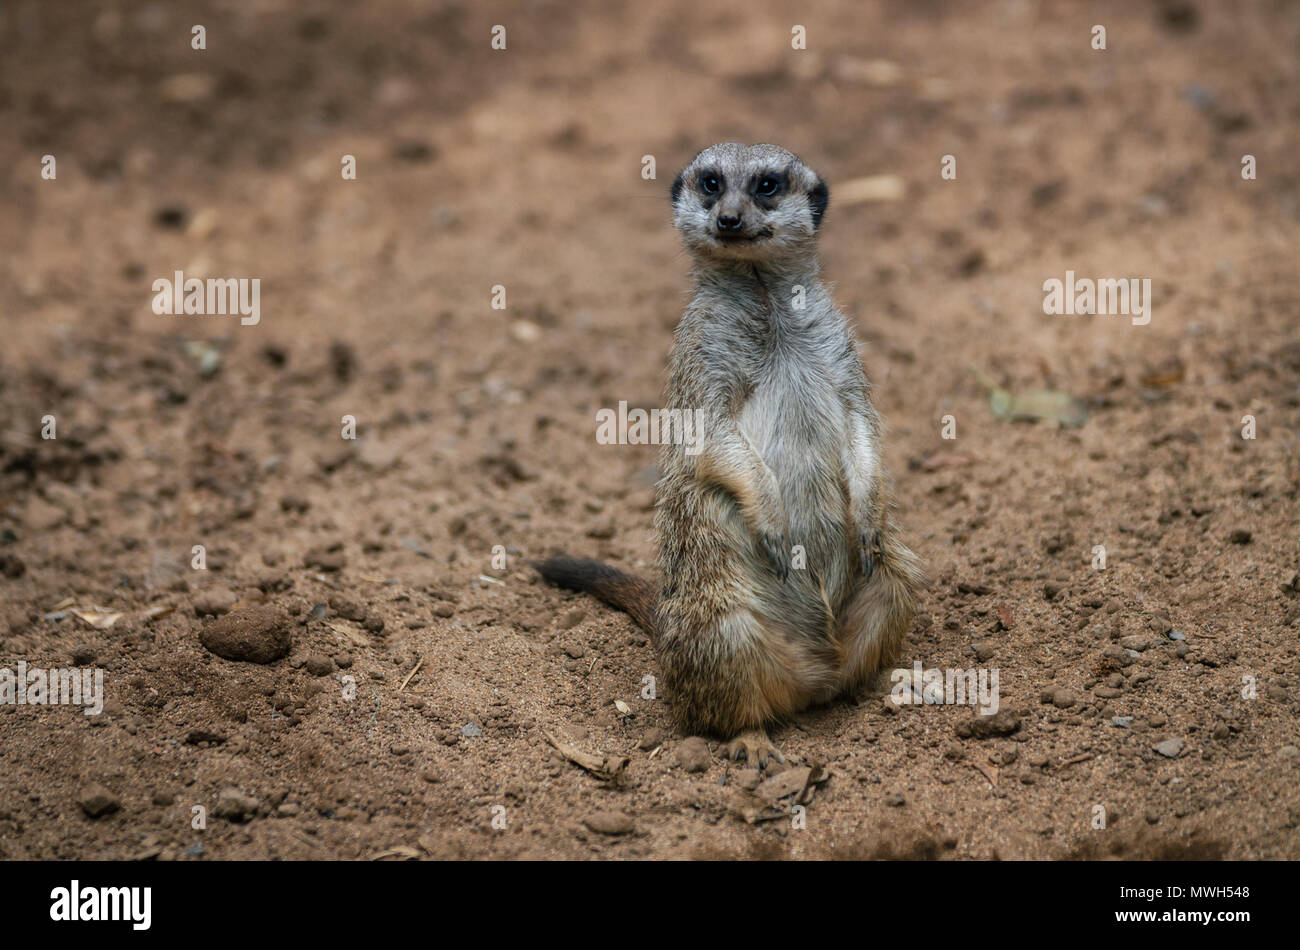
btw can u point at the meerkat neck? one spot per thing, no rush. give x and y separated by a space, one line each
792 269
785 292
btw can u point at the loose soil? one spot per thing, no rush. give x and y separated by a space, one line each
410 715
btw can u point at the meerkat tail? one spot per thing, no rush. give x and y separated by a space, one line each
635 596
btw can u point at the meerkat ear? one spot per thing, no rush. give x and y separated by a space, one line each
677 186
817 200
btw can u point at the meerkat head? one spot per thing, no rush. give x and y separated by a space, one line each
748 203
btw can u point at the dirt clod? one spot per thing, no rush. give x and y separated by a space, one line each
693 755
257 634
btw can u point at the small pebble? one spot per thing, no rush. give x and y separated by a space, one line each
609 823
96 801
1170 748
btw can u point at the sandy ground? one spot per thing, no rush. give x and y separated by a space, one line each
411 713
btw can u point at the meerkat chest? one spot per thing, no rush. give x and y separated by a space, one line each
796 422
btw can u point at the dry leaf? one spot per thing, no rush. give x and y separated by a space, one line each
605 768
752 809
776 797
789 782
400 851
818 776
988 770
1076 760
1170 374
97 617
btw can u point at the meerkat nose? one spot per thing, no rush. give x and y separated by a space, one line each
729 222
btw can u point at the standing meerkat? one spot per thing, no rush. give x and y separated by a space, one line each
783 582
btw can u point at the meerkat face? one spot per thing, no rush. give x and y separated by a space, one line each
748 202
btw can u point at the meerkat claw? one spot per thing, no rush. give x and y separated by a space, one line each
755 747
869 551
775 553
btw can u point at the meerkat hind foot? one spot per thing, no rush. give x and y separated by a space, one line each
755 747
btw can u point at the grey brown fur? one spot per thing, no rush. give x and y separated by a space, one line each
746 632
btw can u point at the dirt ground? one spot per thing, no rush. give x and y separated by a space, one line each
410 716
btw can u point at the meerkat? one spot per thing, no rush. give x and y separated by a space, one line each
782 579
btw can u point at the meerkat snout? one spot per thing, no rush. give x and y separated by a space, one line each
729 222
748 202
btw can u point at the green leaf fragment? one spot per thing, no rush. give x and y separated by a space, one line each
1034 404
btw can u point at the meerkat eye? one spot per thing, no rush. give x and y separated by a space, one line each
767 187
711 184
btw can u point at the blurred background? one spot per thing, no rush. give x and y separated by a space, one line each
522 168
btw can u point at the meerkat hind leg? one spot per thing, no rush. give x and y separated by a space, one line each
755 747
875 623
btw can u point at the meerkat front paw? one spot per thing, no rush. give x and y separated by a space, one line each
754 747
868 551
774 550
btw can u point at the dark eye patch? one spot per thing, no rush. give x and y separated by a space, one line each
818 197
766 187
711 185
